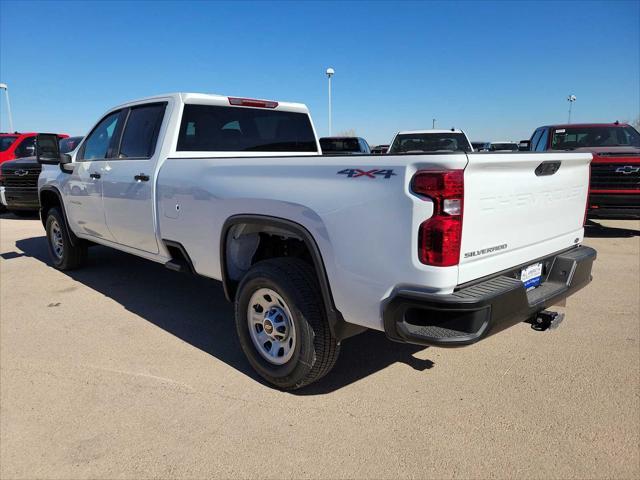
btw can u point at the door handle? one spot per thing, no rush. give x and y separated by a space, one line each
141 177
94 175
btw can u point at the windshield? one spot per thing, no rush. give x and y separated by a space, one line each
430 142
578 137
340 145
6 142
504 146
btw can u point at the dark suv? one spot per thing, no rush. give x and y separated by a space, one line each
614 191
19 180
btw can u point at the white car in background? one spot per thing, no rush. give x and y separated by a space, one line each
505 146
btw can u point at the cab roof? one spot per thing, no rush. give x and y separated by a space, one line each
583 125
448 130
220 100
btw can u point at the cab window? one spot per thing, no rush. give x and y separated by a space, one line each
542 143
98 143
26 148
141 131
534 139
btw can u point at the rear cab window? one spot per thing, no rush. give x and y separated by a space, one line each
26 148
346 144
213 128
430 142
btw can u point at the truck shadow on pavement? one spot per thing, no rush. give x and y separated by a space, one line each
195 310
22 216
596 230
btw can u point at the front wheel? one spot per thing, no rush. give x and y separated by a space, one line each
64 254
281 323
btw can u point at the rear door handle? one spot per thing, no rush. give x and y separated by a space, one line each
141 177
94 175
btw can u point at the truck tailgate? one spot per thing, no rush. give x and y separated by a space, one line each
518 209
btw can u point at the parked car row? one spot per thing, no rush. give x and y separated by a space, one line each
19 177
615 169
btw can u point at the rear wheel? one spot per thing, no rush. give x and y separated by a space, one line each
64 254
281 324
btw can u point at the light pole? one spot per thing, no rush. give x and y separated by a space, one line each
330 72
3 86
433 123
570 99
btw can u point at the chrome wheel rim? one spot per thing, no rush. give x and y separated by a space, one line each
271 326
57 245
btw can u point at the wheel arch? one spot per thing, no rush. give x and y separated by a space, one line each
50 197
339 327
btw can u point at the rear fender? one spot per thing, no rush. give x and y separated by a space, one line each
339 327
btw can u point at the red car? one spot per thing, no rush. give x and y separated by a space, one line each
18 145
614 191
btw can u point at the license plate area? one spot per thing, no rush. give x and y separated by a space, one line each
531 276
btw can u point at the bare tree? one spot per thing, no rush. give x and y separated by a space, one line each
350 132
636 123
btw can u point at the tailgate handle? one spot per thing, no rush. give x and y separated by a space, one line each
547 168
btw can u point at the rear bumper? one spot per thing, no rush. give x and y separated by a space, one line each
614 206
472 313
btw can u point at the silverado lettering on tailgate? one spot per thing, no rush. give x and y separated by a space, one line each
484 251
523 199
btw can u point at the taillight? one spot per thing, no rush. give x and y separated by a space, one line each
252 102
439 237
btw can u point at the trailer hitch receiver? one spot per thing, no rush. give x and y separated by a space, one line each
546 320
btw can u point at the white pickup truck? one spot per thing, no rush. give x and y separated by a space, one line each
439 249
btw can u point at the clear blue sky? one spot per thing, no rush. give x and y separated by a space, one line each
495 69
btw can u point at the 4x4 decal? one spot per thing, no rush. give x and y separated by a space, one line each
356 172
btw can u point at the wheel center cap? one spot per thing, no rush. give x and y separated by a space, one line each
268 327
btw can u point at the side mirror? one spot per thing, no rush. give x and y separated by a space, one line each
524 145
48 149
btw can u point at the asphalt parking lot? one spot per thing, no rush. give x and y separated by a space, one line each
126 370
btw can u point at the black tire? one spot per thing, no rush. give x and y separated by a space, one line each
64 255
316 349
